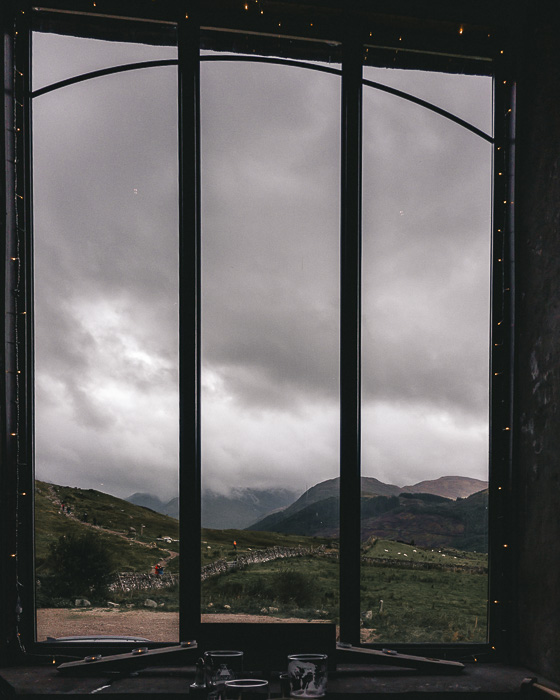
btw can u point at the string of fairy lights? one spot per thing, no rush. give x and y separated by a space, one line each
502 360
17 431
502 323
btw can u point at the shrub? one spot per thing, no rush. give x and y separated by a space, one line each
294 586
81 566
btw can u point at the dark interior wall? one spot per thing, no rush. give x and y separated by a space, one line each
537 376
537 452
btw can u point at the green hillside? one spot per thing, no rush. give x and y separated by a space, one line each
426 519
130 532
398 580
140 548
319 518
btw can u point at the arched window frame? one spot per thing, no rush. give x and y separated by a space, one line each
18 386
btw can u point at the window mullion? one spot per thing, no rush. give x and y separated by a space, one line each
20 343
501 518
350 313
189 325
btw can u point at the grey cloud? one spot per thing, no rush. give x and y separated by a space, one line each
106 274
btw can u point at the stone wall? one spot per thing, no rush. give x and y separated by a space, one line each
259 556
131 581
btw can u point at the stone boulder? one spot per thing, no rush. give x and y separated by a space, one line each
82 603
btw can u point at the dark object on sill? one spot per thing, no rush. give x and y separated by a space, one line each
129 662
107 638
198 689
531 689
267 647
389 657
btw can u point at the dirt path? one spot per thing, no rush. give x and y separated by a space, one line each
165 562
154 625
61 622
58 503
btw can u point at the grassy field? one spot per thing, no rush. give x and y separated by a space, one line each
439 605
218 544
305 587
446 604
444 556
444 599
137 550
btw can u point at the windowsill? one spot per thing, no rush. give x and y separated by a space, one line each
480 680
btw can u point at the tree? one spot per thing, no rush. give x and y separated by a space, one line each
81 565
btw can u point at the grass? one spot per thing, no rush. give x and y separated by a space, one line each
135 553
167 599
115 515
444 556
447 604
441 605
305 587
424 606
218 544
110 512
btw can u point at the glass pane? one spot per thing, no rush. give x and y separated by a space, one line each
270 316
51 66
440 89
106 348
425 350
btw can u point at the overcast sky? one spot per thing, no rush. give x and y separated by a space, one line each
105 217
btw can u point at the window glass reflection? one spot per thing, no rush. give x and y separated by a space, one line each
425 355
106 350
270 270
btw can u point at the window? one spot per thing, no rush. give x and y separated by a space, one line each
106 330
270 153
204 271
425 356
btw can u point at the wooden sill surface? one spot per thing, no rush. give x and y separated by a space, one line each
477 680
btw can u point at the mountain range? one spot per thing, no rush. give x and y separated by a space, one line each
423 519
275 509
238 509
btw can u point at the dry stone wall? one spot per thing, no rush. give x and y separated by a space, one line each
131 581
259 556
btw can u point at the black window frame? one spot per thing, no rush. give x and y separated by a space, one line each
446 42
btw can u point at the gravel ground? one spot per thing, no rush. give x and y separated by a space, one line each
155 625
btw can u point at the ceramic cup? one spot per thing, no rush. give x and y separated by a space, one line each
307 675
221 666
